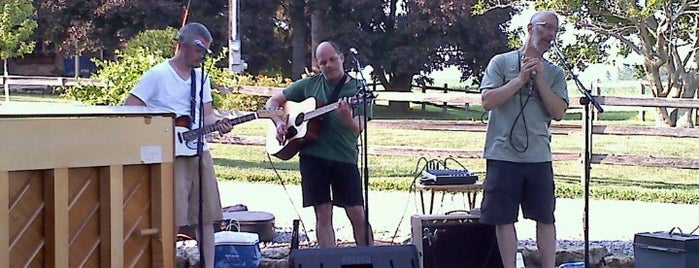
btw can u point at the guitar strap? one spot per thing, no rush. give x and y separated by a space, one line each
336 92
193 98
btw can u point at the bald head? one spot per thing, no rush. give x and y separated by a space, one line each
542 30
543 16
330 61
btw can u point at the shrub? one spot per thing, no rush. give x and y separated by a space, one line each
231 99
121 76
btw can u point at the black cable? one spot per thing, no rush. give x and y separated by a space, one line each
524 120
281 181
410 189
455 161
483 114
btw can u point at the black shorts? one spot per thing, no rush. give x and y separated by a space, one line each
508 185
320 177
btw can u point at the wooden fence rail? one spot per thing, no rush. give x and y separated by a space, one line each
450 97
474 98
10 80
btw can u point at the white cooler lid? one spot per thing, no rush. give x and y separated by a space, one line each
236 238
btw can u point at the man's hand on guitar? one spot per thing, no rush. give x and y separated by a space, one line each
344 109
281 130
224 126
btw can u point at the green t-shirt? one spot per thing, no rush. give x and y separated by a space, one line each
534 135
335 141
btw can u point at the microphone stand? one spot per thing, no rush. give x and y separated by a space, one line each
200 149
587 100
365 158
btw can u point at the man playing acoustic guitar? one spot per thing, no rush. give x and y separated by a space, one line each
329 172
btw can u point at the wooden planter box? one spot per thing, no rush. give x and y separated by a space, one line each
86 186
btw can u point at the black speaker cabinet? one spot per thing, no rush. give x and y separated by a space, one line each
404 256
455 240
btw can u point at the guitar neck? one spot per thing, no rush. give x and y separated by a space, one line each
321 111
193 134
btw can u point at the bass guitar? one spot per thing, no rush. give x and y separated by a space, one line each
186 138
303 125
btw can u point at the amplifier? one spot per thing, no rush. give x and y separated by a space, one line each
666 249
454 240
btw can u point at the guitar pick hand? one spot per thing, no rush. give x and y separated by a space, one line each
281 130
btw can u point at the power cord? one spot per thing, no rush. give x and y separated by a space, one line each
281 181
411 189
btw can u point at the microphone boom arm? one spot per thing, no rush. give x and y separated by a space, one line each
579 84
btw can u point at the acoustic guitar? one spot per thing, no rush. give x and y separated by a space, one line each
304 123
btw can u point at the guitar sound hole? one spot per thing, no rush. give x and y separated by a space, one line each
299 120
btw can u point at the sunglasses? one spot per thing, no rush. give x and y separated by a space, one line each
547 26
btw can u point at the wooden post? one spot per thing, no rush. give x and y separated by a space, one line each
467 107
641 111
163 213
4 219
595 113
423 88
57 237
112 216
444 105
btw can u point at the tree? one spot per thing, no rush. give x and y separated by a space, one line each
406 40
17 25
77 26
664 32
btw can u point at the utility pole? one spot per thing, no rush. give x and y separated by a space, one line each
235 62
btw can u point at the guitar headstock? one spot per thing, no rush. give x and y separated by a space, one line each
270 112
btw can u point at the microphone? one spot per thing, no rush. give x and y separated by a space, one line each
201 45
353 51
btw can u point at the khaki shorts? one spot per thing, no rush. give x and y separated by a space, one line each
187 191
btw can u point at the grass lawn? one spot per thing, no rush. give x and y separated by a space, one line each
250 163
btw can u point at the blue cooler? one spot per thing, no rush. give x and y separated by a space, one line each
237 249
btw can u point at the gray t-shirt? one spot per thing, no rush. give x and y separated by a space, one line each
530 141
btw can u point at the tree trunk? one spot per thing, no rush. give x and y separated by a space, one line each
690 86
400 83
299 35
318 32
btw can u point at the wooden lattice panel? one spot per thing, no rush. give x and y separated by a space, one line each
76 198
84 217
26 196
137 216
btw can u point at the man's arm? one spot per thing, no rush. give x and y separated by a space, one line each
554 104
494 97
344 112
132 100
